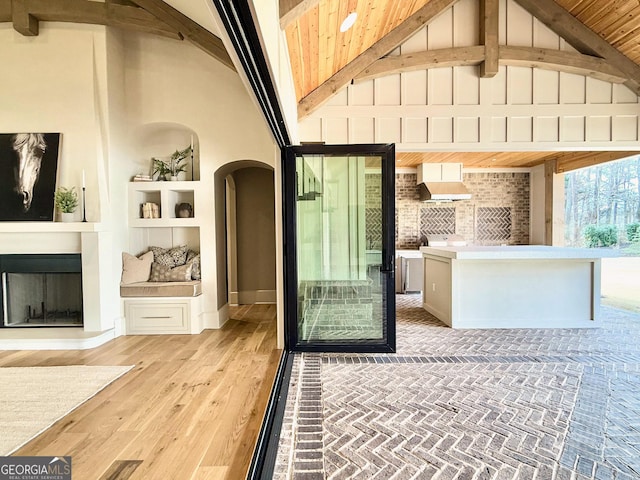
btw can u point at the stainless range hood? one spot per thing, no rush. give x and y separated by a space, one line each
441 182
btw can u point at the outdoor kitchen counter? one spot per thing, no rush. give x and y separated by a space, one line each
527 286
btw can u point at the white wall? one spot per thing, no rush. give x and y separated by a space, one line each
173 82
100 87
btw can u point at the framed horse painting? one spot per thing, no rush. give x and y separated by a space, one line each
28 169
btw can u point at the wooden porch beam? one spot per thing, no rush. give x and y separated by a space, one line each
291 10
557 60
382 47
444 57
192 31
561 61
550 169
582 38
573 160
489 37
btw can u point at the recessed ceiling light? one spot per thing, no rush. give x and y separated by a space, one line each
348 22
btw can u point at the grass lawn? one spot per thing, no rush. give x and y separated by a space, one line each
621 282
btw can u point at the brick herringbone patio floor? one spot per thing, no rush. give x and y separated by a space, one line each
469 404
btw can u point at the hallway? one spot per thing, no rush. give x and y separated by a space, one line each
472 404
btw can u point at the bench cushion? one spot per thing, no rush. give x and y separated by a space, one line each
162 289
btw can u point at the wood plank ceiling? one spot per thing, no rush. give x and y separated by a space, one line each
324 60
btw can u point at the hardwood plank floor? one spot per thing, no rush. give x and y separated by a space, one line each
191 408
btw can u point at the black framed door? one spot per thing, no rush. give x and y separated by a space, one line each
339 208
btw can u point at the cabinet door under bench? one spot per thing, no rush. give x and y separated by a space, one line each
162 315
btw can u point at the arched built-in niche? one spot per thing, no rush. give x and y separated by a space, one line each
160 140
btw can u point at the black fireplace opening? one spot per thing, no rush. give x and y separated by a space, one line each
41 290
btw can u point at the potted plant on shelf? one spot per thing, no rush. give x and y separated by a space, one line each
171 168
66 201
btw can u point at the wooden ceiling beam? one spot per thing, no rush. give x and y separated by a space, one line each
557 60
582 38
382 47
192 31
561 61
444 57
575 160
489 37
112 13
291 10
23 21
151 16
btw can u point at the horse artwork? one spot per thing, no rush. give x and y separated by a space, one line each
28 168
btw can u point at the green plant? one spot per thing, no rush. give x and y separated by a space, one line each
633 232
66 199
173 166
160 168
600 235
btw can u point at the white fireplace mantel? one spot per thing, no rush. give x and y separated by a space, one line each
93 242
50 227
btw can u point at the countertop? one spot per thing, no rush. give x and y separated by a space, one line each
516 252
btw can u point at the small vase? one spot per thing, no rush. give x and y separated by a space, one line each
67 216
174 178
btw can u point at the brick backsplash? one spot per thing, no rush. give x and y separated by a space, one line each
498 191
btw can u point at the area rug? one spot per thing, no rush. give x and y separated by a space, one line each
34 398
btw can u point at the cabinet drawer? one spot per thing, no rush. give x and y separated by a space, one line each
154 318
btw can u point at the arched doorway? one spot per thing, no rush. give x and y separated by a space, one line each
245 219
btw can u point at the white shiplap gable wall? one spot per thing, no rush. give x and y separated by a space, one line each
451 108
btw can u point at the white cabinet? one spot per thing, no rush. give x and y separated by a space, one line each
167 195
158 315
439 172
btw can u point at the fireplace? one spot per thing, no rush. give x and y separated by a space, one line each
41 290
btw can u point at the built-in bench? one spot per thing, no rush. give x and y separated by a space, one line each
162 289
162 307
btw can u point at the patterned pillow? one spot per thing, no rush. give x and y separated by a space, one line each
170 257
162 273
194 259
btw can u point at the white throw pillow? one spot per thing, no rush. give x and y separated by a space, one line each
136 269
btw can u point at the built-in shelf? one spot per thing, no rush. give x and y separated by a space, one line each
50 227
167 195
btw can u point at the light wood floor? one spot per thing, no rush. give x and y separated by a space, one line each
190 409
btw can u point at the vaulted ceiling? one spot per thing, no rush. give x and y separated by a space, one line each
604 34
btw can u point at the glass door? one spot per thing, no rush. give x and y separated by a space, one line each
339 217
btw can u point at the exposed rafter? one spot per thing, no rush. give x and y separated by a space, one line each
582 38
192 31
382 47
443 57
548 59
489 37
291 10
26 15
155 17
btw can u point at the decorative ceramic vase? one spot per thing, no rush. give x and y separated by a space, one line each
184 210
67 216
174 178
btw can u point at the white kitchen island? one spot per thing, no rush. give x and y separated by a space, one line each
528 286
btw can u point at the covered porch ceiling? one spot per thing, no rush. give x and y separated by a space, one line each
604 39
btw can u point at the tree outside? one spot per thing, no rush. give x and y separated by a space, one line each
602 210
